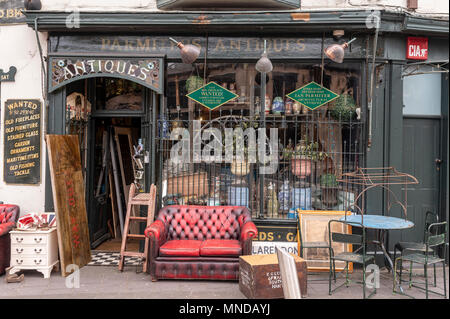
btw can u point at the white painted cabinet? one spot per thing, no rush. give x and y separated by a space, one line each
37 249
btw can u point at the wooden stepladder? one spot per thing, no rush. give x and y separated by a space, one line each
137 199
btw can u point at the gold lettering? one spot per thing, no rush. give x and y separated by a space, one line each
235 45
221 45
143 46
301 44
115 45
105 43
275 46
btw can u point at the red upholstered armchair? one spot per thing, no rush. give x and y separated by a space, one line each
9 214
199 242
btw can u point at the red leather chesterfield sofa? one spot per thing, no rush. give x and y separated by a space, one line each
9 214
199 242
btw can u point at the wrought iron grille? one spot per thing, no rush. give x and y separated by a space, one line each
314 150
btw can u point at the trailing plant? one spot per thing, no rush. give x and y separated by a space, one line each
328 181
193 83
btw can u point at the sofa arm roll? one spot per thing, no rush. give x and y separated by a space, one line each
156 231
248 231
5 228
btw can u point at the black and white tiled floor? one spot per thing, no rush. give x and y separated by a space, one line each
100 258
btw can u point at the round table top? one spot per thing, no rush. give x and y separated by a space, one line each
380 222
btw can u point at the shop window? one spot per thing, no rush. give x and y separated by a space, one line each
422 95
313 148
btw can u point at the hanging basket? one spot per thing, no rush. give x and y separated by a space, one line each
193 83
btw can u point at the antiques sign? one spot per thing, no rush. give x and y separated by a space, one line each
212 95
22 144
147 72
218 47
10 11
8 76
313 95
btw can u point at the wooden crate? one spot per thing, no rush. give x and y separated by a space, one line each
260 278
195 184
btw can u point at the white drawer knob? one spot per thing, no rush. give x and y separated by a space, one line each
38 240
38 251
37 262
19 240
19 261
19 251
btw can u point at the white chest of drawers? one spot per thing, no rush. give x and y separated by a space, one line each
36 250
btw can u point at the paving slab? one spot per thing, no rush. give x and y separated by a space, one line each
106 282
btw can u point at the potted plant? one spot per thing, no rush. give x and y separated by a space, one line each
302 156
329 186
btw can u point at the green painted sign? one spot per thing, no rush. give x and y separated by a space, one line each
312 95
212 95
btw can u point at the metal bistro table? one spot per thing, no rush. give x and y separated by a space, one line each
382 224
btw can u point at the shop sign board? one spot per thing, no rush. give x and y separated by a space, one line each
9 76
228 48
145 71
278 233
22 142
417 48
11 11
266 247
212 95
69 199
312 95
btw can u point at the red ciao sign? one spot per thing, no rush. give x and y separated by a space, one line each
417 48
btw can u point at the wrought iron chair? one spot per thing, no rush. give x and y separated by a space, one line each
317 244
434 237
350 257
430 218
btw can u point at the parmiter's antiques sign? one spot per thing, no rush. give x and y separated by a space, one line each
212 95
145 71
313 95
10 11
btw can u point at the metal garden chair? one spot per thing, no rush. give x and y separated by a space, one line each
349 257
430 218
435 237
317 244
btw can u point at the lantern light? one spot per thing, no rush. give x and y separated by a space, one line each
336 52
264 65
189 53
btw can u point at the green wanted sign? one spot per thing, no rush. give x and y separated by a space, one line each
312 95
212 95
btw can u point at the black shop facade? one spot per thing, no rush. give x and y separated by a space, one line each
123 92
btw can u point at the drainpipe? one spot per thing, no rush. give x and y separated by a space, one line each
370 100
44 84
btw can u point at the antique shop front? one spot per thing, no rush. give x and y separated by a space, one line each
130 81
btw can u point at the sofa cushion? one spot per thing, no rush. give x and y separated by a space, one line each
182 247
220 247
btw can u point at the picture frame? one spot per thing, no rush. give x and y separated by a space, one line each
314 228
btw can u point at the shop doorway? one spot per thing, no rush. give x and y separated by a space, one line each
422 148
111 174
110 116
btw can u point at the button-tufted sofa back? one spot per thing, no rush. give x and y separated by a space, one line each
203 222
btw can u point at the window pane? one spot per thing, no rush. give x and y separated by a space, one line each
422 94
